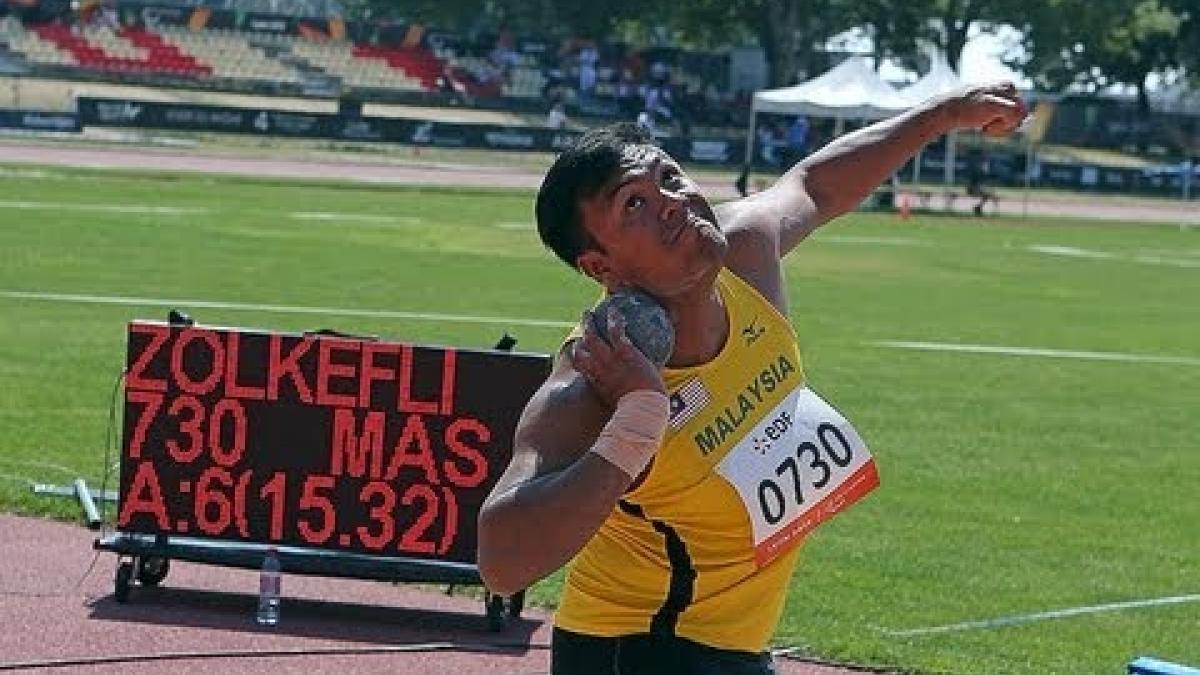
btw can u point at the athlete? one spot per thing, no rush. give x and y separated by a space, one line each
665 489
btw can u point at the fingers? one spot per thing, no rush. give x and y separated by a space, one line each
1000 88
597 331
608 330
592 353
1002 109
1005 87
1003 123
617 337
1002 102
608 360
998 127
583 361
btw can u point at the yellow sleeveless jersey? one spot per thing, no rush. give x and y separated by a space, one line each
678 554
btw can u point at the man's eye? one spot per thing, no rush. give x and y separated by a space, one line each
634 202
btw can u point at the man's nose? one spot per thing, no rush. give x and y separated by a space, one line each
674 202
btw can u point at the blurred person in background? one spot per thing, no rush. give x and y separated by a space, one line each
557 117
978 173
645 122
797 141
589 60
768 142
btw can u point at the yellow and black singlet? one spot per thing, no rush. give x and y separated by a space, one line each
682 553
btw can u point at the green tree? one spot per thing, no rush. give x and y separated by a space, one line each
1099 43
1189 37
594 18
896 28
789 31
448 13
953 21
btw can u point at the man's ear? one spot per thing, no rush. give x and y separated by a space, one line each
596 265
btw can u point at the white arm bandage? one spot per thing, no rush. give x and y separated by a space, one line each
633 435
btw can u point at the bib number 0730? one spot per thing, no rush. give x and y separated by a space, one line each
773 493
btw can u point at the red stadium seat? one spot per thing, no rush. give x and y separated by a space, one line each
418 63
161 56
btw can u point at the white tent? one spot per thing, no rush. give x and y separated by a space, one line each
850 90
1180 98
853 90
940 79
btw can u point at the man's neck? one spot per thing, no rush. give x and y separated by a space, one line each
701 324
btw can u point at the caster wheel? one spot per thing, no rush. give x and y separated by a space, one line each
151 570
494 608
123 581
516 604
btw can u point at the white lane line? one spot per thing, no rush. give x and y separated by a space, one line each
1144 258
1071 252
512 225
1019 619
1192 253
281 309
354 217
105 208
1048 353
882 241
1168 262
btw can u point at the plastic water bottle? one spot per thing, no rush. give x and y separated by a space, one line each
268 590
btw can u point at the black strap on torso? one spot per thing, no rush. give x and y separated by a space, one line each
683 574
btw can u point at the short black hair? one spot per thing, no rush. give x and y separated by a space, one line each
578 173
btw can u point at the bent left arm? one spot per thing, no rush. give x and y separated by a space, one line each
837 178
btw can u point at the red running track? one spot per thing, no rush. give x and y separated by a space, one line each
52 608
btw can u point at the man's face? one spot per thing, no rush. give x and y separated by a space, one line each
654 229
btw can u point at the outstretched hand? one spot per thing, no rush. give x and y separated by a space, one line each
994 109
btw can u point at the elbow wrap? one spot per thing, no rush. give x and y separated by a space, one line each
636 429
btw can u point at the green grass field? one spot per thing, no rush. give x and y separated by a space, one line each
1012 485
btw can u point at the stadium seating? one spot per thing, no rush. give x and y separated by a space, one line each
31 46
312 62
231 54
419 64
164 55
338 59
269 57
135 51
128 50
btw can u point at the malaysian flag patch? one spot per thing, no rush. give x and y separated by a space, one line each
687 401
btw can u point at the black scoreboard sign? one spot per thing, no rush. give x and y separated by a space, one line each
345 444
